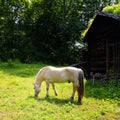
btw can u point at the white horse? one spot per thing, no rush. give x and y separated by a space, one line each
53 75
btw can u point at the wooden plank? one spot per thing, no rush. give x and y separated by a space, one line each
107 59
98 69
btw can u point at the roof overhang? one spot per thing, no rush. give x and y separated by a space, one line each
104 25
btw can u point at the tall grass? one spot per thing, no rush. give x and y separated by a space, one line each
101 102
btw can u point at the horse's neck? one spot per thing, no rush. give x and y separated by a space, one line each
38 82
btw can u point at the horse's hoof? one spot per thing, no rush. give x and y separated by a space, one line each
72 98
46 96
35 95
79 102
56 94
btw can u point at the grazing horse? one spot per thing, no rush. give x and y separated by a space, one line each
53 75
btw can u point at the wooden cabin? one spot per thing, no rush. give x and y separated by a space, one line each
103 39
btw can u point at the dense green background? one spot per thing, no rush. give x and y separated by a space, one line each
45 30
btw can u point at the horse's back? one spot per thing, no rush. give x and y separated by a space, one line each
54 74
62 74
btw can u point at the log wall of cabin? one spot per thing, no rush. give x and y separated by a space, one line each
97 56
103 40
104 54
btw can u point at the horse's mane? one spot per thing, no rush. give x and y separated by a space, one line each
40 71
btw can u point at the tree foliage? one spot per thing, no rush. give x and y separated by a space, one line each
44 30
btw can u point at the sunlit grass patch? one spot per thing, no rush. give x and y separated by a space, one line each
18 103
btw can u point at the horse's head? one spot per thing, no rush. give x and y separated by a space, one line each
37 90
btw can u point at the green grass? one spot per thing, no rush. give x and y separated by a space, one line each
101 102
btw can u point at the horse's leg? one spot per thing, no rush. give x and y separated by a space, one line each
74 90
79 95
47 89
54 88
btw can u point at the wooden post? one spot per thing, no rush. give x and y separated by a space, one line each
107 58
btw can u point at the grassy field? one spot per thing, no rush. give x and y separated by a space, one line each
101 102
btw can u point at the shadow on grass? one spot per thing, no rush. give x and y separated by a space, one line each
56 100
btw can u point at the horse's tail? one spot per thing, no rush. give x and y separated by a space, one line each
81 87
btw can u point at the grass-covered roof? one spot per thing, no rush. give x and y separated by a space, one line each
102 20
115 9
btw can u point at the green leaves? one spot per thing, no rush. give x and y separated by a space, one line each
44 30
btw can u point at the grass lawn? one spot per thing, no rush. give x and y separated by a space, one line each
101 102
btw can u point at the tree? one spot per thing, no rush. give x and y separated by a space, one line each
44 30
